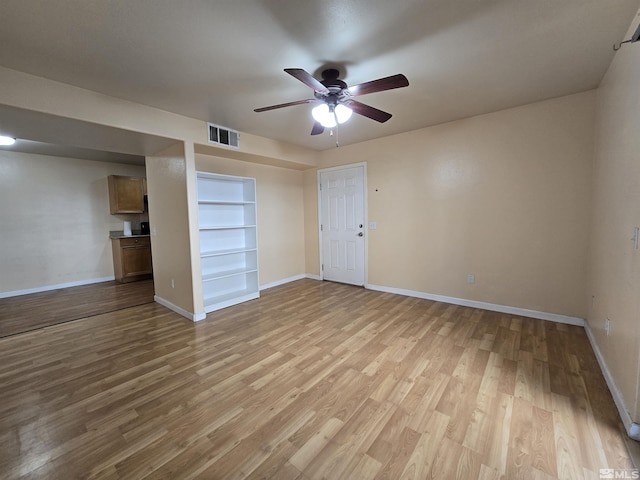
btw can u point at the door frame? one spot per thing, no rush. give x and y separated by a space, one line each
365 204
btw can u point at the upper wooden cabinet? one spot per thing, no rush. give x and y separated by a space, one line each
126 194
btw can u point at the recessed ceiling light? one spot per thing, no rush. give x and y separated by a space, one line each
4 140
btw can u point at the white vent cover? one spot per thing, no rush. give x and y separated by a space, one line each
223 136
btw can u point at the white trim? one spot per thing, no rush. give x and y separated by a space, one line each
219 305
194 317
47 288
284 281
553 317
342 167
632 428
365 200
281 282
319 192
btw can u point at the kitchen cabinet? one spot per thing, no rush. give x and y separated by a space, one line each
131 258
228 239
126 194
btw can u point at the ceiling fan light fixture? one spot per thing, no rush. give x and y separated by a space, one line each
329 116
323 115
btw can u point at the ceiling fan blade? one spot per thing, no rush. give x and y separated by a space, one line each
380 85
288 104
317 128
306 78
367 111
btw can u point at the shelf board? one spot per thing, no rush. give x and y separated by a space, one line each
226 202
217 253
229 299
227 273
225 227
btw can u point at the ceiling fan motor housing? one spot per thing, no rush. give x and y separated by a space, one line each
331 98
335 86
330 78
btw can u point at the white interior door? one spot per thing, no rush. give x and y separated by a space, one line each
342 224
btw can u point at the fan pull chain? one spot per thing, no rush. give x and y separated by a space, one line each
337 136
337 130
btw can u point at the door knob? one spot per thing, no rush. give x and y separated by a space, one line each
360 234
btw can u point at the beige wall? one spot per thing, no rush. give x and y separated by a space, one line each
171 239
614 277
281 214
504 196
55 220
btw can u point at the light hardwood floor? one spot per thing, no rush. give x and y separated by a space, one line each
37 310
313 380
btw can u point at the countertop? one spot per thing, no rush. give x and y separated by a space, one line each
120 234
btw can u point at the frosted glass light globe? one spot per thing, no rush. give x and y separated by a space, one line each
324 116
329 116
343 113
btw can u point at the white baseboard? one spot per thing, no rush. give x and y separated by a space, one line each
194 317
58 286
281 282
632 428
288 280
553 317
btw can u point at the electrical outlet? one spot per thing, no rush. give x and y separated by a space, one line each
471 278
173 284
607 326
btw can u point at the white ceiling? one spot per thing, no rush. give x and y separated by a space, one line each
217 60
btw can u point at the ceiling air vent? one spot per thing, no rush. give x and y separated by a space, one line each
223 136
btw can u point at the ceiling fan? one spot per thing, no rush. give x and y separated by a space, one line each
336 97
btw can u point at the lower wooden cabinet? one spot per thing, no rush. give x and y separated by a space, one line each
131 258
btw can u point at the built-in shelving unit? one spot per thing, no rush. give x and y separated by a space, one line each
228 239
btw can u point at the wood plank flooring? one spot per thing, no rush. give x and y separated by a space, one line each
37 310
313 380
